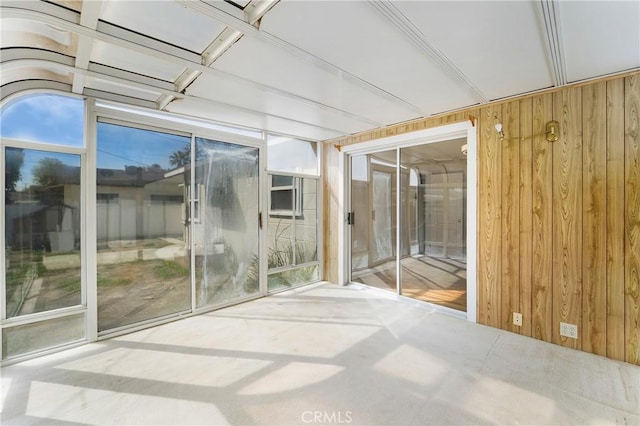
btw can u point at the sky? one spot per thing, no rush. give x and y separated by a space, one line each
59 120
56 119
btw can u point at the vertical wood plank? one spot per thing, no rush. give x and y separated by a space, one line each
510 178
567 215
615 220
594 253
632 220
542 226
526 214
489 238
332 213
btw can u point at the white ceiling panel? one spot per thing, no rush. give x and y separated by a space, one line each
224 114
353 36
256 98
123 58
496 44
33 73
120 89
600 37
168 21
263 63
24 33
319 69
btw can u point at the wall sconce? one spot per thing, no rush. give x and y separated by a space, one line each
464 149
498 125
552 131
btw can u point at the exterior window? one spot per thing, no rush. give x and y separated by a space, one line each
41 215
42 231
60 120
286 196
293 216
107 198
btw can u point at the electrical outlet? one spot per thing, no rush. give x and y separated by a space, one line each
569 330
517 319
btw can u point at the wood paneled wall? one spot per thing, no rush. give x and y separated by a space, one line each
558 222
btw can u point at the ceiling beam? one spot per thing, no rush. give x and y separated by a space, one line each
88 18
255 10
212 10
223 41
398 20
550 13
147 87
141 44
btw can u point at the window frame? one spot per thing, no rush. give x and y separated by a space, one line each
56 313
296 203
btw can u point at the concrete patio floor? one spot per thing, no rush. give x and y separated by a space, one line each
321 354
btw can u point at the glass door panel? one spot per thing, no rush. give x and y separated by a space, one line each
434 218
381 216
373 231
143 255
226 234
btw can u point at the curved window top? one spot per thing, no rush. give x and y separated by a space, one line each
46 118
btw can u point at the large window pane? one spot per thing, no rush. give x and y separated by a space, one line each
226 241
60 119
292 231
42 231
143 255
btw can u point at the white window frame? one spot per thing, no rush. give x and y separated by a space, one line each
466 129
295 187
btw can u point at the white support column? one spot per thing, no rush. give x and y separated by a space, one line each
89 222
398 223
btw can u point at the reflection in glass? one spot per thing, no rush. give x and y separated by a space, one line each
373 234
142 235
382 215
292 231
225 239
434 224
42 231
26 338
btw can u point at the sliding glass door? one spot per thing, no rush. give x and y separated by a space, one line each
435 268
156 231
142 245
226 224
418 205
373 217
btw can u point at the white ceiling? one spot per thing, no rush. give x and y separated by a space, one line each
313 69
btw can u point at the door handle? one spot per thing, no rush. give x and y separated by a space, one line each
260 220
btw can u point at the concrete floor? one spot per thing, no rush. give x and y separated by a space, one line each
322 354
